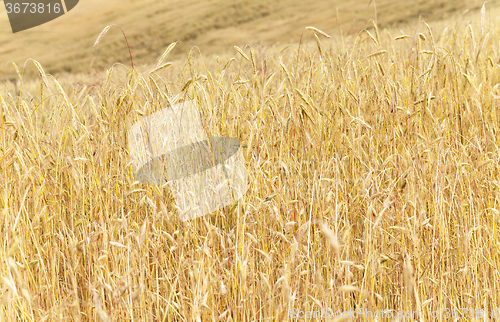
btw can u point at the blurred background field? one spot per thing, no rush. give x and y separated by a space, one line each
215 26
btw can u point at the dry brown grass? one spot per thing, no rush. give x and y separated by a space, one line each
373 170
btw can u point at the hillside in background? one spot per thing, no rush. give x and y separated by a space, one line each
214 26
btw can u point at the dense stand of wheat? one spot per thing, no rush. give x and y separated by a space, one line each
373 166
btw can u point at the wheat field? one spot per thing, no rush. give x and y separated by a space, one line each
373 169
